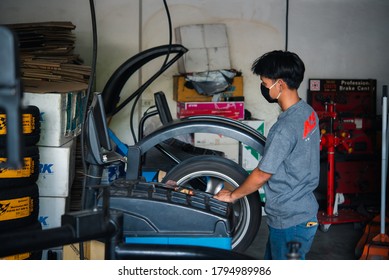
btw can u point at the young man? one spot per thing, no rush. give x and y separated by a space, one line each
290 166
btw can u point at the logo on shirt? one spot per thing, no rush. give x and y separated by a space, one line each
309 125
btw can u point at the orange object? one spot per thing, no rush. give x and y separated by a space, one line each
373 245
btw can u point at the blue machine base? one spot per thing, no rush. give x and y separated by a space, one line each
213 242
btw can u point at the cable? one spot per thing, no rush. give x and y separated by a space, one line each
170 32
163 67
91 82
86 104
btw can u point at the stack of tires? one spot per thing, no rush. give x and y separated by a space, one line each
19 193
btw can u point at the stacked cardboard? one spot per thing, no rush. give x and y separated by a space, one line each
47 53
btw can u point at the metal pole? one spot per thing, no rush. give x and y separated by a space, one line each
384 155
331 163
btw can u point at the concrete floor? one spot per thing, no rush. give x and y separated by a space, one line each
338 243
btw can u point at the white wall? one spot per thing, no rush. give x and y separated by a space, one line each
335 38
342 39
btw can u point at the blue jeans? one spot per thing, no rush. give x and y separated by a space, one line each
277 243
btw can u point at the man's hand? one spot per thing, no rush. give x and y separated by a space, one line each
253 182
224 195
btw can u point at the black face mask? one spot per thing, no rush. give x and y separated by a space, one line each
265 93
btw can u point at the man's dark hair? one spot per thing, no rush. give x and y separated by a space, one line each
280 65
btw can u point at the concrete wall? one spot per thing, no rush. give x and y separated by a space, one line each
335 38
341 39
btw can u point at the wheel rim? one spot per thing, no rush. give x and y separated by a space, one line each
213 183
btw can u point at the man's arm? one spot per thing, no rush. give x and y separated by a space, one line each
254 182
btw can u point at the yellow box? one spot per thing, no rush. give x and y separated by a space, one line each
181 93
93 250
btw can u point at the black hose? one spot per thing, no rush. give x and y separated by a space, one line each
163 67
92 78
170 33
86 105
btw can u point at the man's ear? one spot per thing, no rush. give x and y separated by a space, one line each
282 84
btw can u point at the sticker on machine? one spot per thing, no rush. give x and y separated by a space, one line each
314 85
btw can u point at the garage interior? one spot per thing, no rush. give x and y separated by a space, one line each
113 93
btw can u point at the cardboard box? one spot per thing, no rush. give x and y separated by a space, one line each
93 250
61 115
181 93
234 150
233 110
218 142
207 45
51 210
56 169
212 139
251 157
231 151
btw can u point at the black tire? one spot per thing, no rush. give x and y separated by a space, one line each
27 175
19 206
211 174
35 255
30 126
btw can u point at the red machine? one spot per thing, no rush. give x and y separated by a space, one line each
347 112
331 141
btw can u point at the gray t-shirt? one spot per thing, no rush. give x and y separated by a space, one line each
292 155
